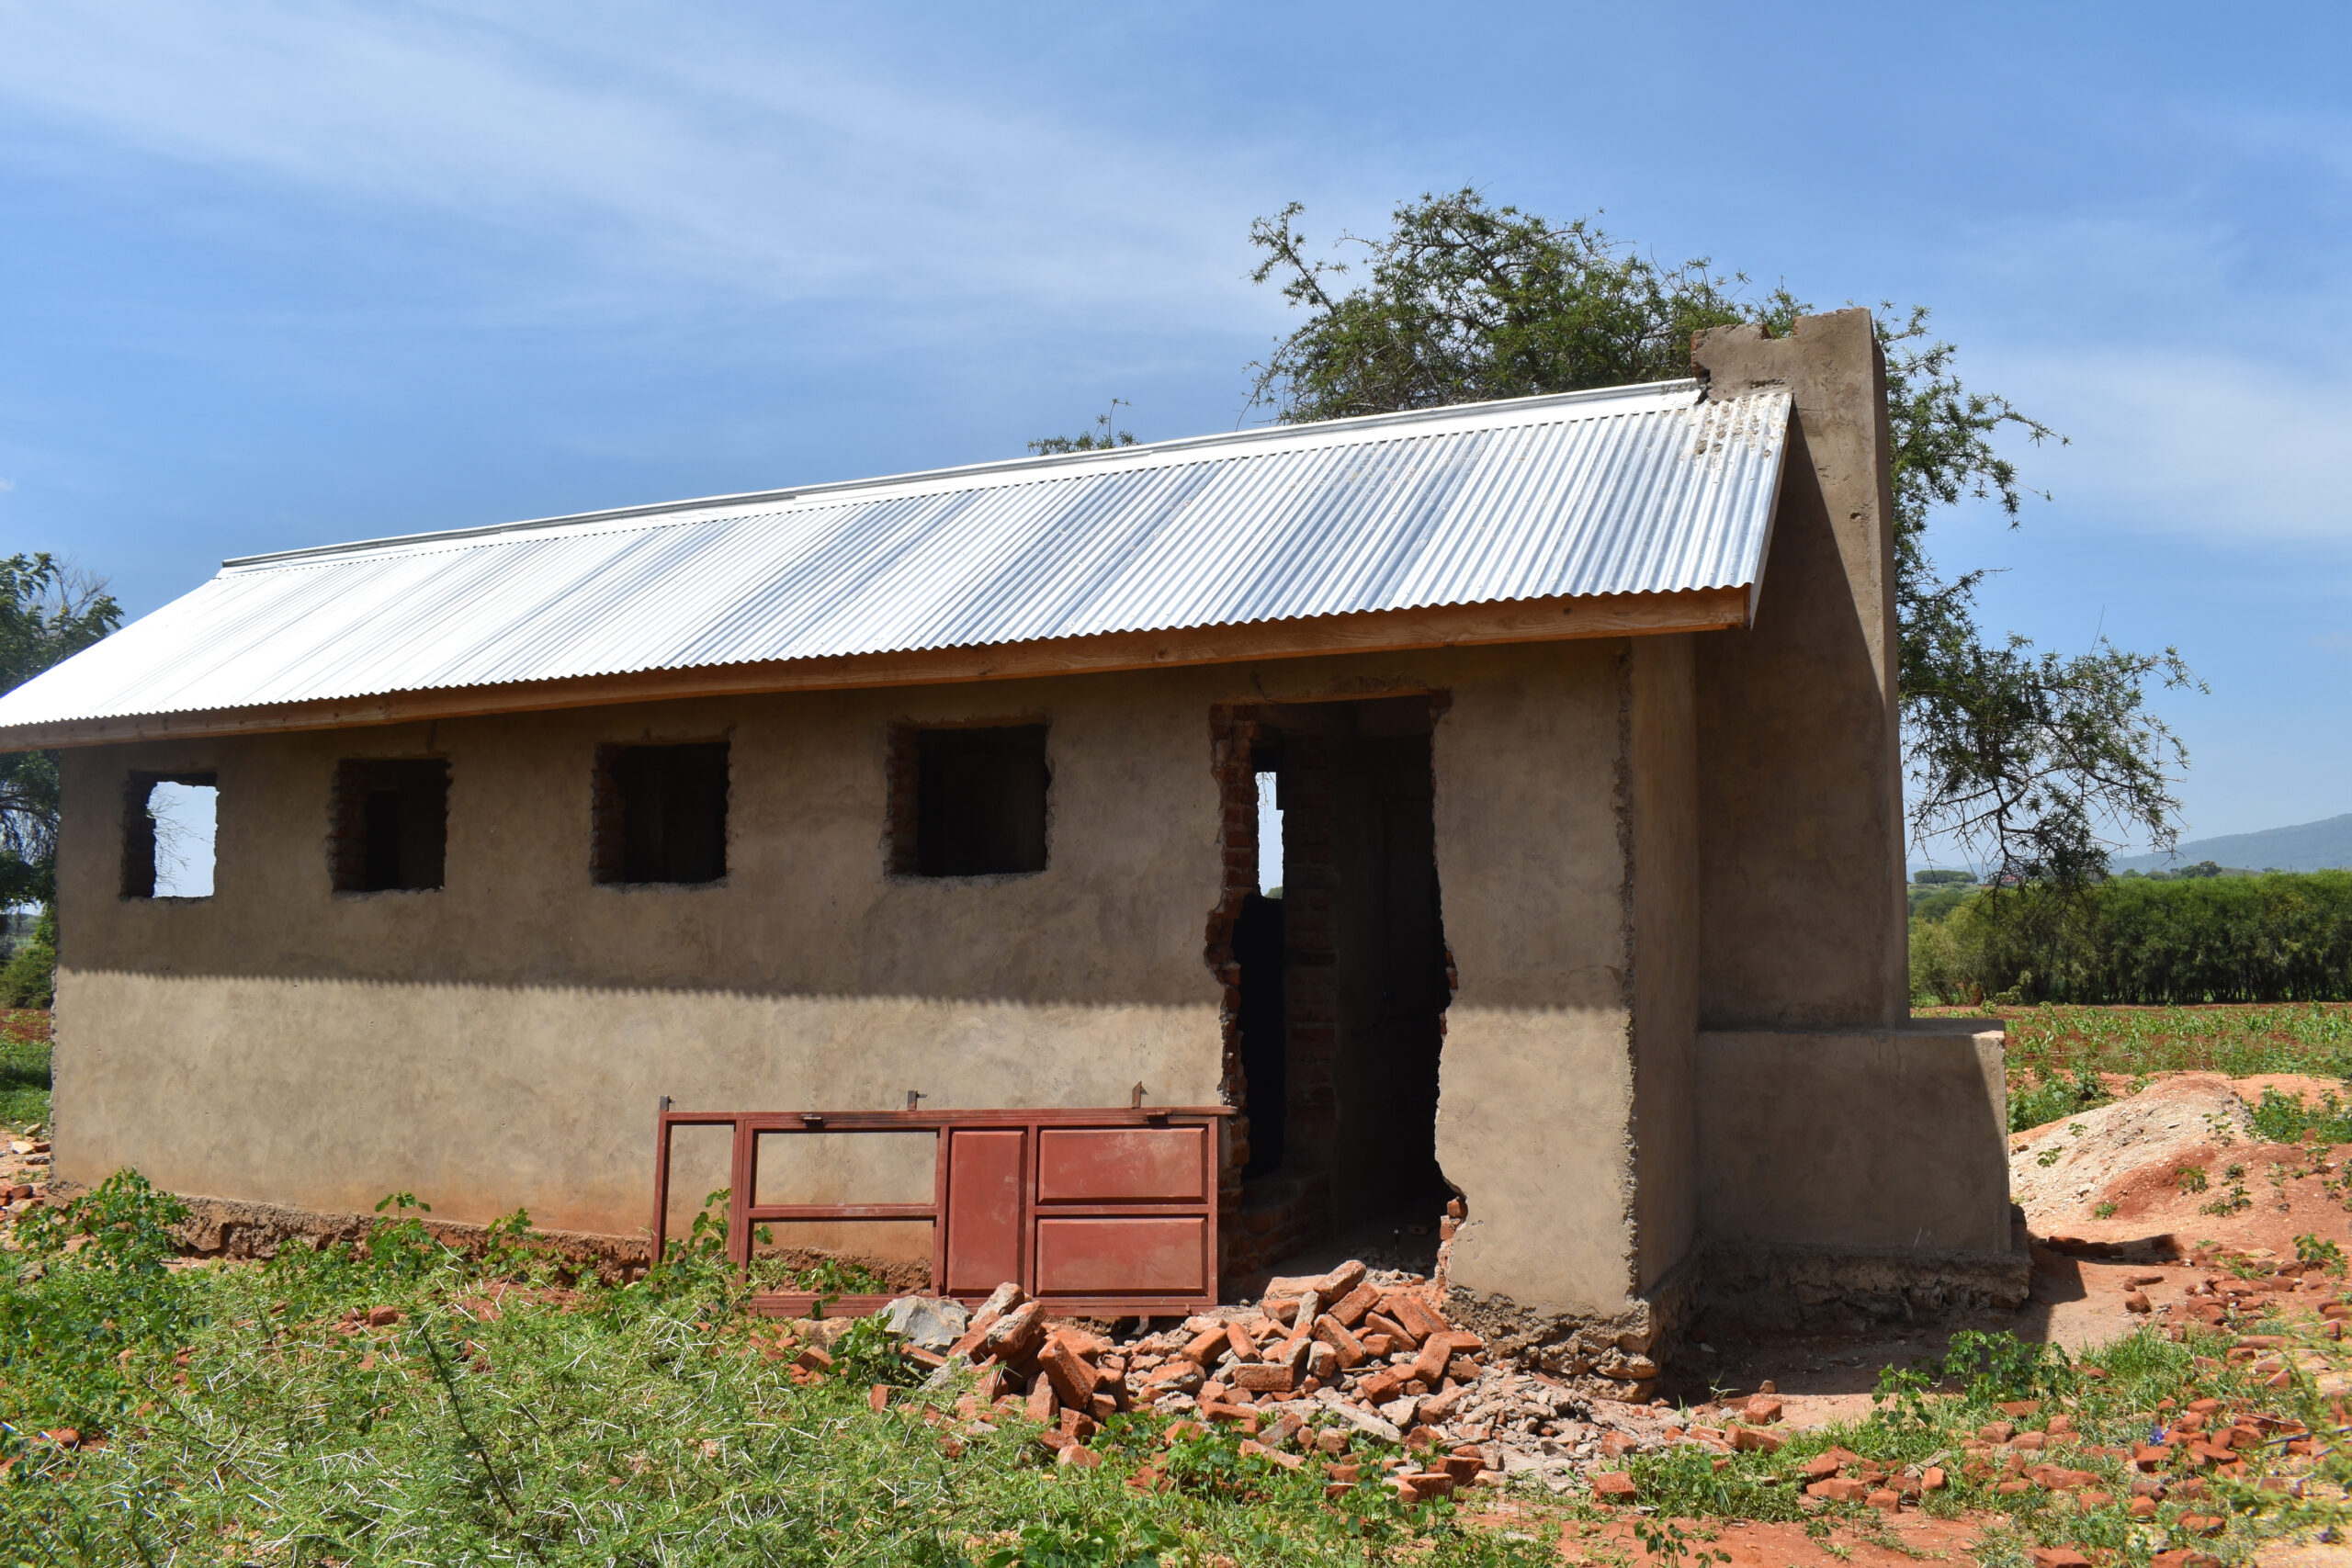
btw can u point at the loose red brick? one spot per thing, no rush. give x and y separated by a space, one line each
879 1396
1018 1333
1265 1377
1071 1375
1425 1484
1334 1333
1240 1415
1837 1489
1203 1347
1288 1462
1407 1308
1079 1456
382 1317
1615 1486
813 1358
1884 1500
1381 1323
2059 1557
1341 1281
1350 1309
1756 1439
1043 1405
1428 1367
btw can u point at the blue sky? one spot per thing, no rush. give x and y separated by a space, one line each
277 275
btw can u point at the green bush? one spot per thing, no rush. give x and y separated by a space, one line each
2055 1096
2279 937
29 978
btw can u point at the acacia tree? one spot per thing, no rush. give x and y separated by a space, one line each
2028 757
49 612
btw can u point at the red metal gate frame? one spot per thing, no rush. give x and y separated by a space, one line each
746 1128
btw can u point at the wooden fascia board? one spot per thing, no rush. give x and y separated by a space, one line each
1381 631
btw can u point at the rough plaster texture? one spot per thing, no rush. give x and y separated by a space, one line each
1536 1087
1858 1139
1665 912
1800 801
501 1042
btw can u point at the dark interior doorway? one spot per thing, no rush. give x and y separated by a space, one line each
1340 1034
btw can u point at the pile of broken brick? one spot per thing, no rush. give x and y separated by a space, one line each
23 1172
1318 1363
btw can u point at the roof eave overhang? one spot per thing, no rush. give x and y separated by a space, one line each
1379 631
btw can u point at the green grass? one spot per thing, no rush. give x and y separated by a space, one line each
2056 1051
24 1068
247 1415
247 1418
1923 1415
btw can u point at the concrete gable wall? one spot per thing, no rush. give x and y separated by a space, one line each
1800 785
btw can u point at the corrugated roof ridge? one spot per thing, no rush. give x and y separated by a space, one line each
1115 456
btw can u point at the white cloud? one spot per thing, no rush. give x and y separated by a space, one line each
2218 446
759 163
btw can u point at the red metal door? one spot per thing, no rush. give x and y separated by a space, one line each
1088 1210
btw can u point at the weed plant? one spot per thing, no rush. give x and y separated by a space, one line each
243 1414
2295 1037
1924 1413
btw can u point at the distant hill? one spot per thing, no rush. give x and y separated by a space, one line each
2310 846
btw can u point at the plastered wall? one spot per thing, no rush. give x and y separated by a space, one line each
1536 1087
1665 783
502 1041
1800 802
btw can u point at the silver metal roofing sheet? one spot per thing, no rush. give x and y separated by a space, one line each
1633 491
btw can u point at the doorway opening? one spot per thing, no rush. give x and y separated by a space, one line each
1338 971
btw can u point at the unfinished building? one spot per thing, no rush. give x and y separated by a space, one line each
1580 716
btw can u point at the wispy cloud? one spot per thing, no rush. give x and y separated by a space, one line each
747 162
2219 446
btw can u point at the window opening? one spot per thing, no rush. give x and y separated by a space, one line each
662 813
170 831
978 806
390 824
1269 833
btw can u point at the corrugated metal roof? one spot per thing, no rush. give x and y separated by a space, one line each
1632 491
